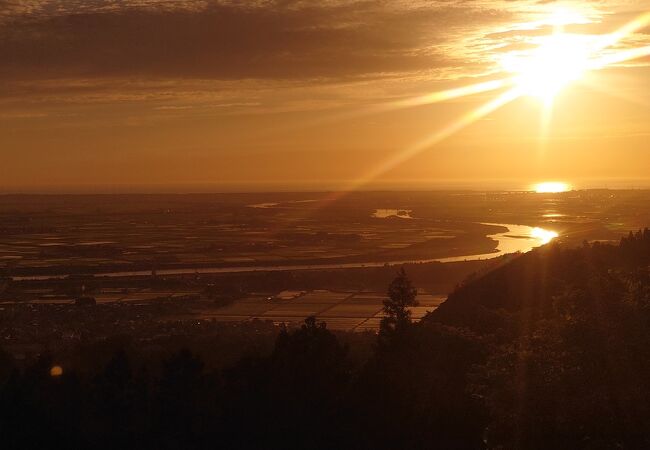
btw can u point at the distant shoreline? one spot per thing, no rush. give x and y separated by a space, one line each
622 185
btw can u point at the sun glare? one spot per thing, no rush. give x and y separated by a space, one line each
551 187
543 72
546 66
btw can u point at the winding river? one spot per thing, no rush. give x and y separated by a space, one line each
518 238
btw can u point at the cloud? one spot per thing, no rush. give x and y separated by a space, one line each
78 53
279 39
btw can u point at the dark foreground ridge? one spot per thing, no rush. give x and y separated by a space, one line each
550 350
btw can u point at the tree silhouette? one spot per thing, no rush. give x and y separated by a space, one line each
401 295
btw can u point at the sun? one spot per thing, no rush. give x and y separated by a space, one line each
551 187
559 60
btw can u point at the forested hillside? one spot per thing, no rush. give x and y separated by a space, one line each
569 352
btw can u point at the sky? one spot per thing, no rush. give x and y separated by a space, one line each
146 95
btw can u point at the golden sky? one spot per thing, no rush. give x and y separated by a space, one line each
284 94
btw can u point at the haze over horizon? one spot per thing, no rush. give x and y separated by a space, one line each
284 94
322 187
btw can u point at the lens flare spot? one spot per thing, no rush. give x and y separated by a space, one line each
56 371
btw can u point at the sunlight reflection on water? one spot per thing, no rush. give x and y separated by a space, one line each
544 236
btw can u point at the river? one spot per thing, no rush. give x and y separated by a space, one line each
518 238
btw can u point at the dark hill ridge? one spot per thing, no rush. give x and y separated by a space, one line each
568 343
534 285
